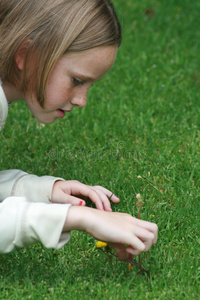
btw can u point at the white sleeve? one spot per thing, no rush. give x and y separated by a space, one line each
23 223
32 187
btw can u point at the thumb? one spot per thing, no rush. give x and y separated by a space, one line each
120 250
68 199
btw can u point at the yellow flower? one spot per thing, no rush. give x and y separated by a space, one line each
130 267
100 244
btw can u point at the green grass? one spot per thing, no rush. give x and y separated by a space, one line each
142 119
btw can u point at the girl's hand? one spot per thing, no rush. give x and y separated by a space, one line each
126 234
73 191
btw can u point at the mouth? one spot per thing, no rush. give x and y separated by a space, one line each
61 113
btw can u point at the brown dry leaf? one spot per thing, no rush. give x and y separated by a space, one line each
150 13
195 77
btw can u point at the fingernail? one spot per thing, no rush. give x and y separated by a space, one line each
80 203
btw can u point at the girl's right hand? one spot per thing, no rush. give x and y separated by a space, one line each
126 234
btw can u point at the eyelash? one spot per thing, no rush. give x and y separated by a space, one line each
77 81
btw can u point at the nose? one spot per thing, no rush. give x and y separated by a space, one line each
79 100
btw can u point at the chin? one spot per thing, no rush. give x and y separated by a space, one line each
45 121
48 122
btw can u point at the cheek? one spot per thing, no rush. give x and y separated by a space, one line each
57 94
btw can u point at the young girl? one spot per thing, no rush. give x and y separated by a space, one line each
51 52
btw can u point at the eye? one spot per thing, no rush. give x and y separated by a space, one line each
77 81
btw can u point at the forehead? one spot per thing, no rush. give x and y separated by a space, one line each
92 63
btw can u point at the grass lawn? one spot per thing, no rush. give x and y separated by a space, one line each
140 133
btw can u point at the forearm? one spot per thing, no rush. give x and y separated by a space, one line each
23 223
32 187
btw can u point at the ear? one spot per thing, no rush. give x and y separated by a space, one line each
21 54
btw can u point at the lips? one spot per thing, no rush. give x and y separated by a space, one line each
61 113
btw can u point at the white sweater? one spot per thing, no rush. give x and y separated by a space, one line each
26 215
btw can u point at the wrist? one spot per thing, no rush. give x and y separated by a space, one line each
75 219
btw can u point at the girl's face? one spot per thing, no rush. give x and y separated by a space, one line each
70 80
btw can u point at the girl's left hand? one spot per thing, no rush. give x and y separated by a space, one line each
69 192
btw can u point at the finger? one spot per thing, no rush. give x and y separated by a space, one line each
136 243
151 227
108 193
75 201
147 237
103 199
125 253
96 196
78 188
132 251
67 199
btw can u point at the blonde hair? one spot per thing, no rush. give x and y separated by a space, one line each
53 28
